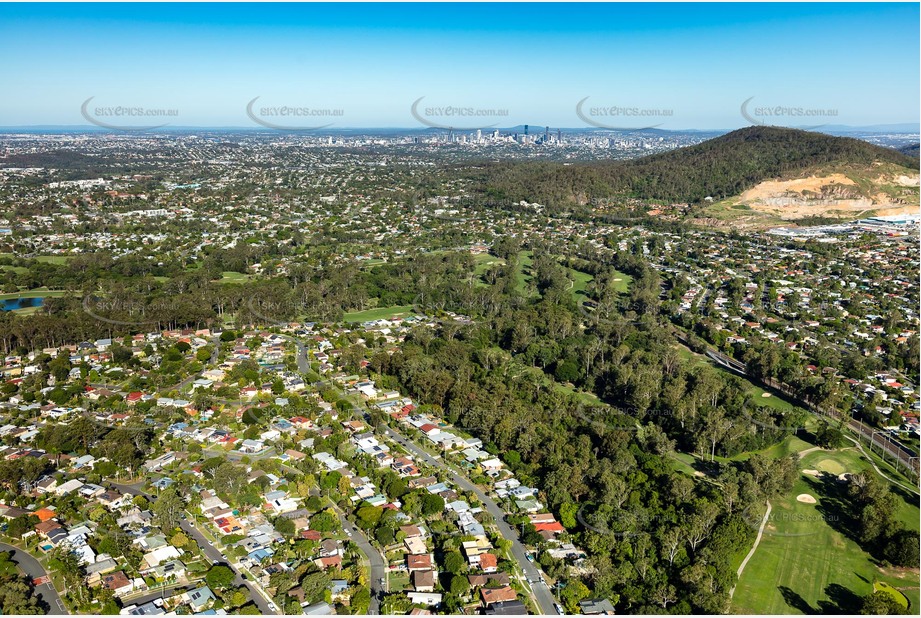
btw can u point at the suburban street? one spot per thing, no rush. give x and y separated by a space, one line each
153 593
540 590
378 568
215 342
32 568
303 365
212 553
541 593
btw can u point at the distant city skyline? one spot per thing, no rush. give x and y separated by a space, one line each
413 66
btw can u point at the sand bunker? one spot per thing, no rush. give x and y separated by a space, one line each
765 394
805 498
812 472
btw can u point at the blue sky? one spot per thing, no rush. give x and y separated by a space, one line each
537 61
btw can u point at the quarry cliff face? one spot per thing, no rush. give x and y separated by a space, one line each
876 191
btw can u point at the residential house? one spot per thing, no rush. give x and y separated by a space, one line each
432 599
160 554
506 608
199 598
319 609
489 563
595 607
118 583
496 595
419 562
423 581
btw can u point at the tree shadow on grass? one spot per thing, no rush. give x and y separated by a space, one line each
841 600
837 510
904 494
835 506
710 468
795 601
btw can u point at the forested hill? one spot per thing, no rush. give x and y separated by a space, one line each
721 167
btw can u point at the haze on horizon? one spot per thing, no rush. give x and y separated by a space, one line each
693 66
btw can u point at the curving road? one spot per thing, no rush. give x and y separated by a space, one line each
376 560
540 591
211 552
34 570
378 567
303 365
215 354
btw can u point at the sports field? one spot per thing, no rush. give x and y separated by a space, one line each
381 313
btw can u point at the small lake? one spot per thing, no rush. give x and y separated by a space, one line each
12 304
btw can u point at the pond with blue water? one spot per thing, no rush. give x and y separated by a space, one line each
12 304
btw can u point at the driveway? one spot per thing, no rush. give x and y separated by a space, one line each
211 552
34 570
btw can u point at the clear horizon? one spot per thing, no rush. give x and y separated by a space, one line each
674 67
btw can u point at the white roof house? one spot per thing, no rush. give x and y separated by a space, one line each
68 487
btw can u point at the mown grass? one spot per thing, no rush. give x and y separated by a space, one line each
36 293
230 276
523 275
52 259
808 562
580 281
380 313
